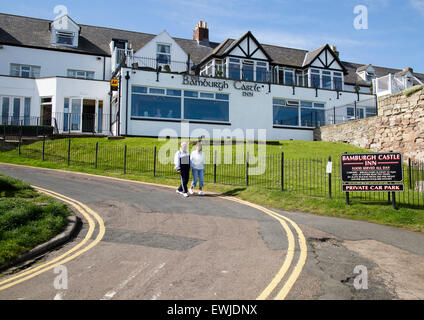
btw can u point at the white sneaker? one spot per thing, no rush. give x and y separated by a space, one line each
178 191
201 193
185 195
190 190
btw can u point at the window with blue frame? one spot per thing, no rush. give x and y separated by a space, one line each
205 107
157 103
285 113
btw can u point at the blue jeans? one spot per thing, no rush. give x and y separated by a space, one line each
197 174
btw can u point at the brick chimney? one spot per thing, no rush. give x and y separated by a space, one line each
334 49
201 33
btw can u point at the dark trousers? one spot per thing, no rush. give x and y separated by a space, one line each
185 176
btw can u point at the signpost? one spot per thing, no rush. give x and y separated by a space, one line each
381 169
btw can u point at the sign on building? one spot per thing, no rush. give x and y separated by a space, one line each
114 83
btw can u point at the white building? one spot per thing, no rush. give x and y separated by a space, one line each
58 73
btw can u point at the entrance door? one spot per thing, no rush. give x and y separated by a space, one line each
46 112
88 115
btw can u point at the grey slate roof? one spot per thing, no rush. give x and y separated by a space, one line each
34 32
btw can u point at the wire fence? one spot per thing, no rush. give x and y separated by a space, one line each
271 171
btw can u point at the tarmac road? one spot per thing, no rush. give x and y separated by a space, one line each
158 245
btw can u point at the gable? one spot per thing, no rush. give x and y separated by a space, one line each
65 23
326 60
149 50
248 47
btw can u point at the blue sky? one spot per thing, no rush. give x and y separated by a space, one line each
394 37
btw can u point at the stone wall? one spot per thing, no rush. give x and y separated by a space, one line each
399 127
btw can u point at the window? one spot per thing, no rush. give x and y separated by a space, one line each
207 108
248 70
65 38
311 115
75 114
163 55
5 110
24 71
288 77
79 74
261 71
234 69
16 110
27 111
285 114
100 117
66 114
315 78
326 79
155 104
338 81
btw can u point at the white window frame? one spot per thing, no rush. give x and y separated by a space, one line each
85 74
162 53
34 71
64 33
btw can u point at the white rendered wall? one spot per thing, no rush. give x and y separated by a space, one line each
53 63
245 112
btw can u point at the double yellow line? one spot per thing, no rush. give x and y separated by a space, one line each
288 284
284 221
69 255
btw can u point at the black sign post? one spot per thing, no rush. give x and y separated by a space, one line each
359 170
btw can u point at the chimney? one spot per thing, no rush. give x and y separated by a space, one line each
201 33
408 69
334 49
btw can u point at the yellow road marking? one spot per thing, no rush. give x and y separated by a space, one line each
301 261
302 241
62 259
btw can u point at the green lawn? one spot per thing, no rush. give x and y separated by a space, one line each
27 218
305 178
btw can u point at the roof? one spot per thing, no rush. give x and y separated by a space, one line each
34 32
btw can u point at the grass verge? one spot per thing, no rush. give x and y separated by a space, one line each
406 217
27 218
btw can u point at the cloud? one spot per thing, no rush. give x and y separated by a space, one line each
418 5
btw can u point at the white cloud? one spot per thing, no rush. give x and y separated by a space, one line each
418 5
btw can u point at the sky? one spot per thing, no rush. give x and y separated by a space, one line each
392 37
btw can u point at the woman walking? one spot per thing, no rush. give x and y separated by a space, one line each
182 166
197 160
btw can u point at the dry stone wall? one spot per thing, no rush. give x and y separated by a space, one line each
399 127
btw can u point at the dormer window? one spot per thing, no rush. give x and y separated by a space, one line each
65 32
369 76
65 38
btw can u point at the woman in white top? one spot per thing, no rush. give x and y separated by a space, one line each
197 160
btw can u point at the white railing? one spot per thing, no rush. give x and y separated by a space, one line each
391 84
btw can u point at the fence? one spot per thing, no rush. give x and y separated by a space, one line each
303 176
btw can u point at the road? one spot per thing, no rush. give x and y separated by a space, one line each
158 245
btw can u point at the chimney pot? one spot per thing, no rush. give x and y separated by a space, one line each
201 33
